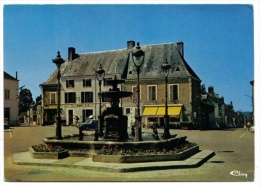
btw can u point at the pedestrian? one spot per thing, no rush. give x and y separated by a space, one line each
248 125
77 119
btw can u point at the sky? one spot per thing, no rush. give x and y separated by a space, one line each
218 39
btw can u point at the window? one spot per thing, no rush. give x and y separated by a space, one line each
134 89
127 111
70 83
151 93
86 82
106 99
105 81
86 97
53 98
174 92
7 94
135 95
70 97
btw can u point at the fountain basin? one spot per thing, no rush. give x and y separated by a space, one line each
88 147
145 158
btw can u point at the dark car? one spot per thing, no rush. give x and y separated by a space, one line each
88 124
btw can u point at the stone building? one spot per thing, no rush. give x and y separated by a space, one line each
183 86
79 86
11 107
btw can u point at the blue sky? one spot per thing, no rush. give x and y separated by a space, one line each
218 39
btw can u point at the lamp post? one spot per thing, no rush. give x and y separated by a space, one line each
58 61
138 60
100 75
166 67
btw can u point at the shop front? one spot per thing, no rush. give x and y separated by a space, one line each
154 115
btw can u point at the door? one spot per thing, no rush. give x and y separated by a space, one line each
70 114
161 122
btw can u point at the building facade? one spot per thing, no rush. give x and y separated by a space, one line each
183 86
80 88
11 106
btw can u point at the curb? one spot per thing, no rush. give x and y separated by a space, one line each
196 160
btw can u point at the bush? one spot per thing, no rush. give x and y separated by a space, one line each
47 148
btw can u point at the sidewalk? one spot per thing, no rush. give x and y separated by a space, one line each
196 160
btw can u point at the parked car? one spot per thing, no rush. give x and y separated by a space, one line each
88 124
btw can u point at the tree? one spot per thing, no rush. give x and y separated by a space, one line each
25 100
38 99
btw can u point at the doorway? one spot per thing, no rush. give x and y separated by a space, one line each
70 114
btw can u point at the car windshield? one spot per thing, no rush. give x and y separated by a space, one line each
87 120
90 121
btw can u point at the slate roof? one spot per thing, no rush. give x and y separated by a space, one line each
154 57
120 61
7 76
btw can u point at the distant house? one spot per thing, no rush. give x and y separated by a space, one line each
230 114
11 106
218 116
33 115
206 110
79 86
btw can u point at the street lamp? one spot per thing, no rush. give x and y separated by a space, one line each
100 75
138 60
58 61
166 67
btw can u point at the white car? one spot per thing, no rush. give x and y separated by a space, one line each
88 124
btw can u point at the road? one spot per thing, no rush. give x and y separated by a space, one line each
234 150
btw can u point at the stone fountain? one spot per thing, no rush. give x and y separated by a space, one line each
115 122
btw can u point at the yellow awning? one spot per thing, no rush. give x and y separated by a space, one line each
172 111
150 111
161 111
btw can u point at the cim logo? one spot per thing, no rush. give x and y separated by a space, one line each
237 173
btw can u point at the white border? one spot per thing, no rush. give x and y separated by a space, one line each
255 4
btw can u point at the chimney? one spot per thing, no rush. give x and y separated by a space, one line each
130 44
16 75
71 54
211 90
203 89
180 48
